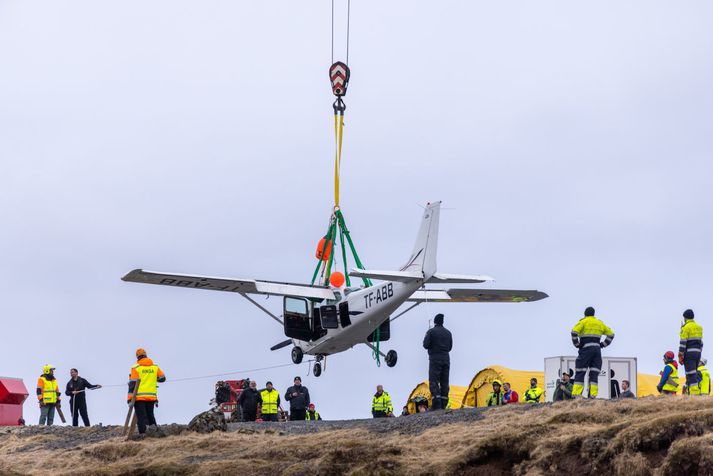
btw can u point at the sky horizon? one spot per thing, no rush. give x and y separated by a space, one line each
570 145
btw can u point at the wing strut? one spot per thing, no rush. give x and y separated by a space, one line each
405 311
262 308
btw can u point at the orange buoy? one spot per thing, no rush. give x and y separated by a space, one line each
336 279
323 252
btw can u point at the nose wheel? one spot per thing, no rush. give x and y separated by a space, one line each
297 355
391 358
317 367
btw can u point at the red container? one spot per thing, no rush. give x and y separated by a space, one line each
13 394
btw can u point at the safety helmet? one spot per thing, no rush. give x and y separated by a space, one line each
47 369
140 352
498 382
669 356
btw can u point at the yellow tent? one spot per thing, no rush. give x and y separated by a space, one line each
647 384
455 396
479 388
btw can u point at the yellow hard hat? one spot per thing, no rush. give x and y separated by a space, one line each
496 381
140 352
47 369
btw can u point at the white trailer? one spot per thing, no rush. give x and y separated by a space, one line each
614 370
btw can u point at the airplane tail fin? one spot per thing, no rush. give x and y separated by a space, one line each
423 257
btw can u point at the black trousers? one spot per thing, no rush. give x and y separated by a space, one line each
144 414
78 406
249 414
438 374
296 415
269 417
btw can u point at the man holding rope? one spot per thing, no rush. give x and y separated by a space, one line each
76 391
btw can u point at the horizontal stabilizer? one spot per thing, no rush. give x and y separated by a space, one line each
241 286
475 295
403 276
457 278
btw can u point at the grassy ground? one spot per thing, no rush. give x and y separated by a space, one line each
649 436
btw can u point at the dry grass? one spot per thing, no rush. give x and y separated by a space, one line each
649 436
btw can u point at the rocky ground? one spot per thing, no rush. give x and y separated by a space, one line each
650 436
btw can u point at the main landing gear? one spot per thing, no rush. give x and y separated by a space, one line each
297 355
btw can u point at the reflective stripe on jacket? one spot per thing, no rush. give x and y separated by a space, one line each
270 401
382 403
47 390
532 395
309 415
589 331
691 337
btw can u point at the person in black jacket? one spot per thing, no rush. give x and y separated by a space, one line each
438 342
298 396
249 400
77 393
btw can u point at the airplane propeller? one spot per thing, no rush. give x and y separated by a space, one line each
282 344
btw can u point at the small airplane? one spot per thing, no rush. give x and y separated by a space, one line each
322 320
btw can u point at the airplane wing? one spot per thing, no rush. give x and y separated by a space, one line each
241 286
475 295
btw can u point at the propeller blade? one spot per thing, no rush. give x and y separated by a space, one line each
282 344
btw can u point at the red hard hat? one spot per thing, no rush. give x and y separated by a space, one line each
669 355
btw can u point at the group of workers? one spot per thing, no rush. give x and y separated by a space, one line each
49 396
586 336
265 405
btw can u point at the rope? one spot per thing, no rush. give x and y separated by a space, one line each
201 377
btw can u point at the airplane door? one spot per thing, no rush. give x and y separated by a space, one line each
297 319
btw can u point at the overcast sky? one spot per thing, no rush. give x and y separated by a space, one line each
570 142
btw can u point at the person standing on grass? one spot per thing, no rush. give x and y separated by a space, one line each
77 392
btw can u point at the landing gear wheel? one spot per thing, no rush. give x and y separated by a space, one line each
391 358
297 355
317 369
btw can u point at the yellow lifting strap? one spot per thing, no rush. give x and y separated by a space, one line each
338 133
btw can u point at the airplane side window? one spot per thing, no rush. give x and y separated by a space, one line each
296 306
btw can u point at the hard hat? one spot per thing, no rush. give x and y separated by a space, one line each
669 355
47 369
498 382
140 352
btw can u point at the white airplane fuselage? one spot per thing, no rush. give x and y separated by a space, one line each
368 309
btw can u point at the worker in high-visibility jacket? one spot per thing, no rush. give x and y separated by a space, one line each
147 375
586 336
381 404
668 384
48 395
704 378
689 350
495 397
312 413
270 403
534 393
